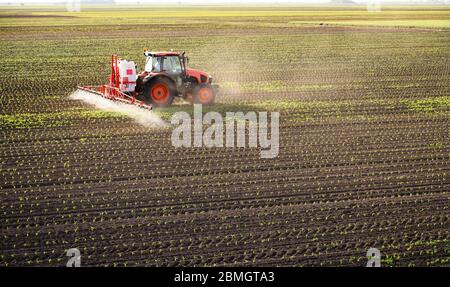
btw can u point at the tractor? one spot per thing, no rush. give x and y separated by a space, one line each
167 76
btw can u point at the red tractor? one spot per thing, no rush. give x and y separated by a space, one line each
165 77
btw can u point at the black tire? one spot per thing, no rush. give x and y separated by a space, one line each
154 89
204 94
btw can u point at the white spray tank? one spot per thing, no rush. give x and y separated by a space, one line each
127 75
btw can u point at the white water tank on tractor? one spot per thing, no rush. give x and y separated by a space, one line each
127 75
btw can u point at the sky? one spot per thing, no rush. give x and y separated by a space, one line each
219 1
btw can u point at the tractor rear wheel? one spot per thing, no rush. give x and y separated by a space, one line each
159 92
204 94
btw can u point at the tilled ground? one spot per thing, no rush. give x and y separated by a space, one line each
363 158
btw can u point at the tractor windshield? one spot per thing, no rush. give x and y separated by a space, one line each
153 64
172 65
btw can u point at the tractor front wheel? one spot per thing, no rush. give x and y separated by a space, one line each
204 94
159 92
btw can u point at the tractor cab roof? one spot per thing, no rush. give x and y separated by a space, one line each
161 54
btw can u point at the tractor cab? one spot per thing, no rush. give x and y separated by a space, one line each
170 63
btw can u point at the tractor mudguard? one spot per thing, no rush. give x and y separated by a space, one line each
151 76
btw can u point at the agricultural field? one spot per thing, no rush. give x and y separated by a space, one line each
363 162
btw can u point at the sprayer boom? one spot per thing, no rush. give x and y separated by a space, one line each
122 83
112 93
